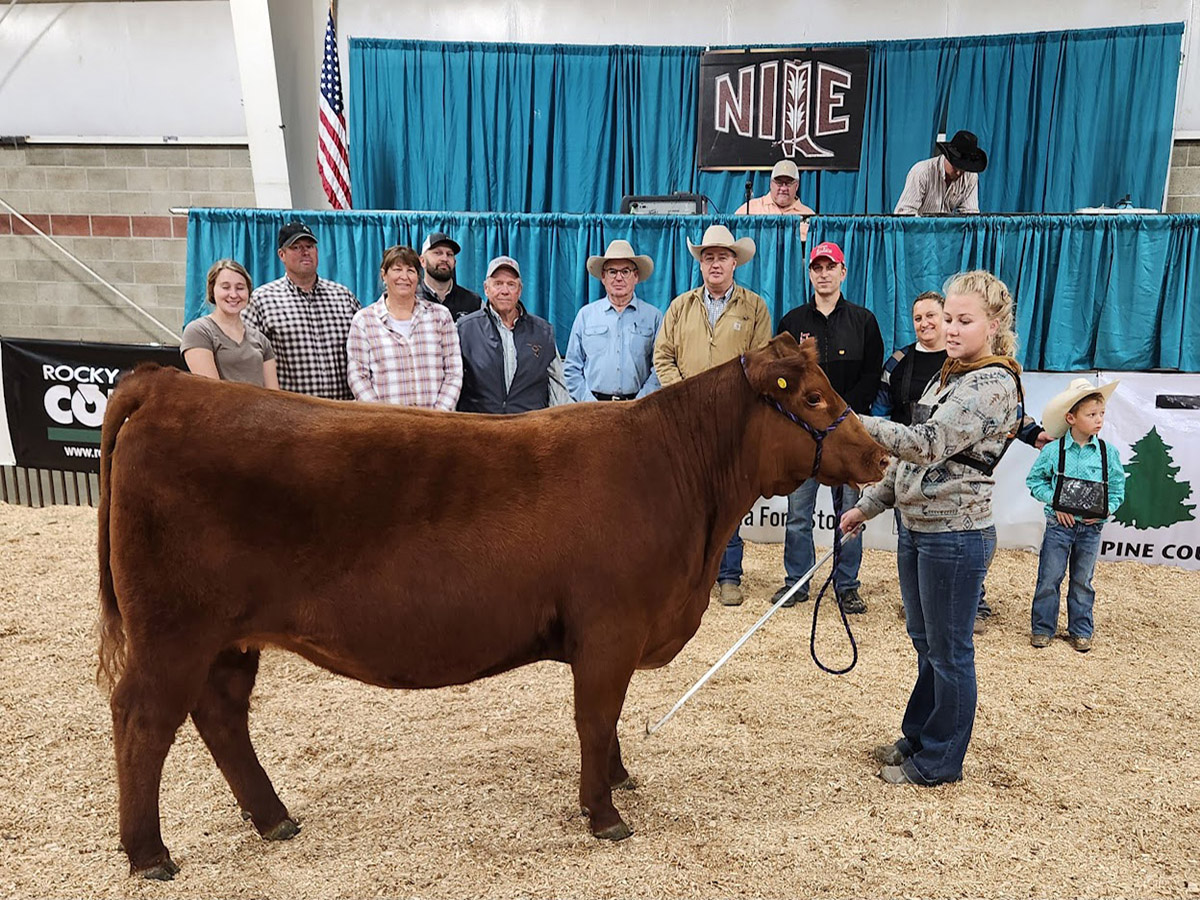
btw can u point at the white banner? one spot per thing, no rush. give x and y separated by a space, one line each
7 456
1152 421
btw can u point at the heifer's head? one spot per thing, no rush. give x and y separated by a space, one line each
808 431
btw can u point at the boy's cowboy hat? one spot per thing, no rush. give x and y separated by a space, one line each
720 236
1054 417
621 250
964 152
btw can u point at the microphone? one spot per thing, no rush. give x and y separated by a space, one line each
749 187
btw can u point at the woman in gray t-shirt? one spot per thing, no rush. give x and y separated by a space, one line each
220 345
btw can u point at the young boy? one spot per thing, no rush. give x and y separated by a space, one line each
1080 479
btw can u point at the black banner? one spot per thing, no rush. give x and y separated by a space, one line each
55 393
759 107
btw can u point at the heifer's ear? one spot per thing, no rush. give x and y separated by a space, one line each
777 369
786 342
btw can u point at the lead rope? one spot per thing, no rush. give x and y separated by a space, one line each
818 436
837 555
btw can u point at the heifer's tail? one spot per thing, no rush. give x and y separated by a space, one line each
124 401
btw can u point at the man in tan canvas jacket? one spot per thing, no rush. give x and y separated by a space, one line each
707 326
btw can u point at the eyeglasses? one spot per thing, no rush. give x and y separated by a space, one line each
623 273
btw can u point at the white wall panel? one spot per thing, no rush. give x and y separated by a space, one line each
149 69
120 69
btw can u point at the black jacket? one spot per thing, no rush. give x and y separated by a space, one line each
459 301
849 347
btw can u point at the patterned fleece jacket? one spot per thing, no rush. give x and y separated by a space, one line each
974 411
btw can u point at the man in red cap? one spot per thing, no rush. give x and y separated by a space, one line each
850 349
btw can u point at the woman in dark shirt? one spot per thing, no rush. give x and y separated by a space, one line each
908 370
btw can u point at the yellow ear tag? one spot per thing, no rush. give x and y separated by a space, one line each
782 382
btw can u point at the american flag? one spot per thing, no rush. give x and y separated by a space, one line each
333 157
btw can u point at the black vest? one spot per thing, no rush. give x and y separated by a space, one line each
483 364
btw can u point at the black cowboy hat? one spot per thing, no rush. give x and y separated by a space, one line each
964 152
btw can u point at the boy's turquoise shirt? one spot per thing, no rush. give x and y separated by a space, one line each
1081 462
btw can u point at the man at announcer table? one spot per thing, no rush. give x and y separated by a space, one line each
947 184
705 327
610 355
510 361
782 199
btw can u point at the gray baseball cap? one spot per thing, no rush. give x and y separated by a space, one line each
502 262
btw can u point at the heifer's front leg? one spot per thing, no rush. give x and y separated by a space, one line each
222 717
599 695
147 710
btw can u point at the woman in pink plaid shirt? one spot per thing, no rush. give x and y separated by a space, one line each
403 349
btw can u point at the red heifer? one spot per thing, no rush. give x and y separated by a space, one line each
233 517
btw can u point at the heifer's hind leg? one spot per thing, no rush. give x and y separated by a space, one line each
148 707
600 688
221 715
618 776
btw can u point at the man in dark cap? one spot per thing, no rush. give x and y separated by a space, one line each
439 257
947 183
306 318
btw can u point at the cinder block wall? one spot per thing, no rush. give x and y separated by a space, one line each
1183 185
110 206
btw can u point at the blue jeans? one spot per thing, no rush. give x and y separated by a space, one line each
1076 548
985 609
798 552
731 560
940 577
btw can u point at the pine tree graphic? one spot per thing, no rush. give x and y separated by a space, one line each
1153 497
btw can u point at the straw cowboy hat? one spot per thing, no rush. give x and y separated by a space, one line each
621 250
720 236
1054 417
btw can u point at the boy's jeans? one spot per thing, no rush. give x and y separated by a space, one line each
798 551
1075 548
940 577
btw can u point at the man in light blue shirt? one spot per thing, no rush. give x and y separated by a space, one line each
611 348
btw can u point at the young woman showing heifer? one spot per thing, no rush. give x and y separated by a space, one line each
942 486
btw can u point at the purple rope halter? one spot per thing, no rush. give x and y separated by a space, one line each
818 435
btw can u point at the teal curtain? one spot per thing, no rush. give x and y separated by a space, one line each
1097 109
1070 119
1092 292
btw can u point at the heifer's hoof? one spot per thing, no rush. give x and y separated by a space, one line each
284 831
163 871
617 832
629 783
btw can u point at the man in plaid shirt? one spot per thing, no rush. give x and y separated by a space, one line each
306 318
